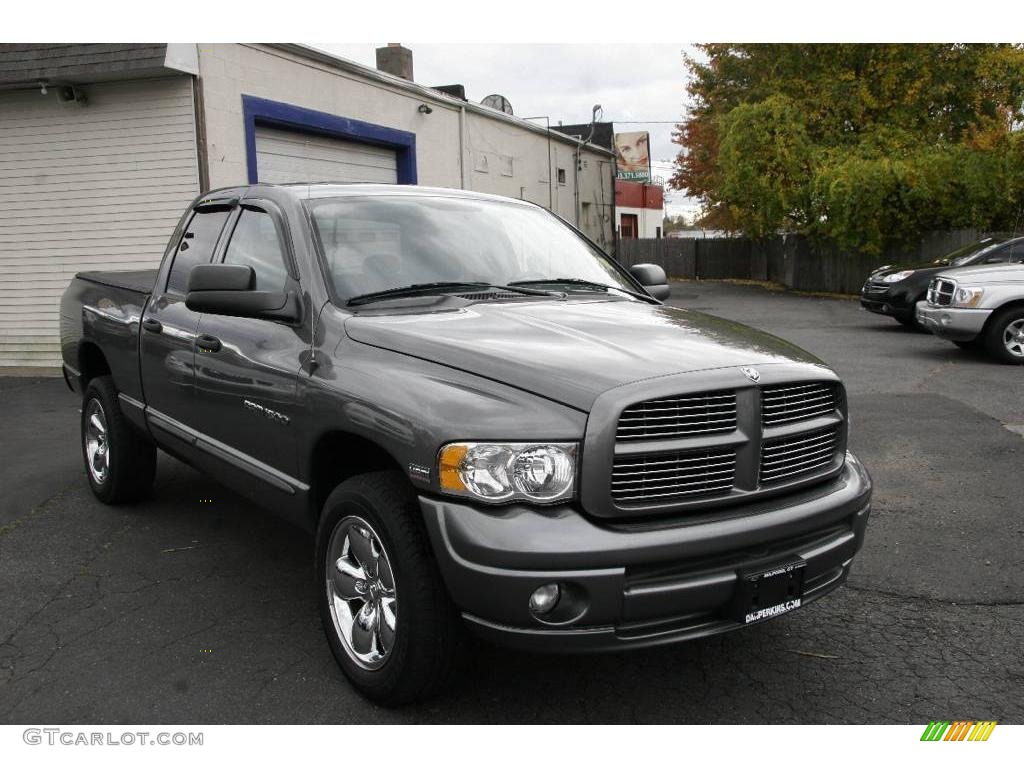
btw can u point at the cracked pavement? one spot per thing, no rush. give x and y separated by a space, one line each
181 610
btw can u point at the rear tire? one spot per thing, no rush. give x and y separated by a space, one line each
389 621
1004 336
120 463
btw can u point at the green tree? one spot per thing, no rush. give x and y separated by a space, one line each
864 144
765 158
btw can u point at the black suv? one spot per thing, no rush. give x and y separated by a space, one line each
895 289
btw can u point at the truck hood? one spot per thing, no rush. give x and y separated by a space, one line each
991 273
572 351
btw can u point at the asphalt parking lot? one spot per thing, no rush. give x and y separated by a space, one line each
197 607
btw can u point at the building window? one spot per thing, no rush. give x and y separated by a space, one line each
629 228
480 163
561 175
506 165
657 232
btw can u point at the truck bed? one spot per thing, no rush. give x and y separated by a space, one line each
134 280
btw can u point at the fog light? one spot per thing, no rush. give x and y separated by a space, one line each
544 599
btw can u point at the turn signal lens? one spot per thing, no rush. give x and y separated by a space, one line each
449 464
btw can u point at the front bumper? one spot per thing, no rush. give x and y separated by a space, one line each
953 323
639 584
884 307
891 301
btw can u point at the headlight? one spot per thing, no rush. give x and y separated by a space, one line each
964 296
497 472
895 277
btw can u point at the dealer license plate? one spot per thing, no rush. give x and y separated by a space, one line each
765 594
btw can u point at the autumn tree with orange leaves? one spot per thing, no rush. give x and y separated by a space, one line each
867 145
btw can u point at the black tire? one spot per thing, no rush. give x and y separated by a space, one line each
131 462
428 644
995 330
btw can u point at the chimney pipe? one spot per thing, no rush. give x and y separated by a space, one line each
396 60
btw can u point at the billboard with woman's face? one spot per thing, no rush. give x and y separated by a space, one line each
633 156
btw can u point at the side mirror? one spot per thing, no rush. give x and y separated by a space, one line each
653 279
227 289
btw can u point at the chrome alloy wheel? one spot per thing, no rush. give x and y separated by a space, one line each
361 593
1013 338
97 446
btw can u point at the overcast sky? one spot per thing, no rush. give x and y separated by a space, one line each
633 83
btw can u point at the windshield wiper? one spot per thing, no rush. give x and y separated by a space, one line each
418 288
578 283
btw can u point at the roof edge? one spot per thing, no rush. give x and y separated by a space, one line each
425 92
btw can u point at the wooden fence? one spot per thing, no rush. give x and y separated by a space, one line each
792 260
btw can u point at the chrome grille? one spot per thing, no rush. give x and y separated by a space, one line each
702 414
940 292
789 458
875 289
797 402
682 474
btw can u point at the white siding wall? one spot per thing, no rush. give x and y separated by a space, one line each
93 187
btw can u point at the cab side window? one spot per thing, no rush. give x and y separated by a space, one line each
1017 253
255 243
196 247
1001 256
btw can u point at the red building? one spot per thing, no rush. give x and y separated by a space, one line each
639 209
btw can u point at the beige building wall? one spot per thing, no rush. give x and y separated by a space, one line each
494 154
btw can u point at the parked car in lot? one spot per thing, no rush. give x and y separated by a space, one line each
981 305
895 289
484 420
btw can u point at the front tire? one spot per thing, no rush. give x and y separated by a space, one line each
1004 337
389 621
119 462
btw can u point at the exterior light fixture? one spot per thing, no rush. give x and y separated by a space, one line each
425 109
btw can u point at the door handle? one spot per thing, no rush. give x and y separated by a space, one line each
152 325
208 343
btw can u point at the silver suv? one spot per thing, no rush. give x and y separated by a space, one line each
978 305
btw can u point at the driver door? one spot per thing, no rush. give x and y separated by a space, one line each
247 369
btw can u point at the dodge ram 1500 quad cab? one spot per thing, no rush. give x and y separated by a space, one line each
486 423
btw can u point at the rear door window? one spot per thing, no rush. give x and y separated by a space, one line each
196 247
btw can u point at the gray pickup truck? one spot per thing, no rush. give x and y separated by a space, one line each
486 422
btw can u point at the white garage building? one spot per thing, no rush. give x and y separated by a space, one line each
102 147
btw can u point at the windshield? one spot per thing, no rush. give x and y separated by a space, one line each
961 256
377 243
